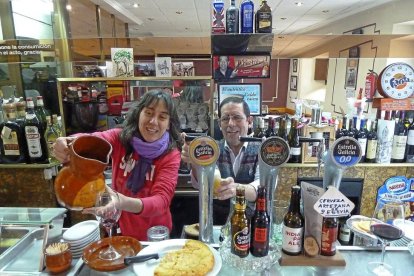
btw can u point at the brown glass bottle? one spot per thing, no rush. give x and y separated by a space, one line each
293 223
264 18
282 132
329 236
240 226
294 144
36 143
259 241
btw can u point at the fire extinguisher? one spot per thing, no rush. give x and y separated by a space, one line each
370 85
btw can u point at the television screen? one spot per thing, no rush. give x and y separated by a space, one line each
250 92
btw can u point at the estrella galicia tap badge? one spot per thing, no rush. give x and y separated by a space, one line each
346 152
204 151
274 151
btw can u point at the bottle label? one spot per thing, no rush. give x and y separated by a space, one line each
261 204
398 147
371 149
345 233
292 239
241 239
328 239
295 151
11 144
265 20
260 234
410 138
363 143
247 16
33 141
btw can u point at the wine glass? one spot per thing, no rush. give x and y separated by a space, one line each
108 214
386 211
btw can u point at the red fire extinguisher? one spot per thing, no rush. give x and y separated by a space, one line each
370 85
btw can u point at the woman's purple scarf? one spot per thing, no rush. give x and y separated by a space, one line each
147 152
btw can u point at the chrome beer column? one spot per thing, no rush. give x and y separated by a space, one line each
204 152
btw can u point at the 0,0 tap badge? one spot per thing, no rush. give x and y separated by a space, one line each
346 152
204 151
274 151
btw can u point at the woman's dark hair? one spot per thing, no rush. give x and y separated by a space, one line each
236 100
130 125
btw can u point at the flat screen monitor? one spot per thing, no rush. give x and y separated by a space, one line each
251 93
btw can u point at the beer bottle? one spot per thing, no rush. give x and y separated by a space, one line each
293 223
260 226
240 226
329 236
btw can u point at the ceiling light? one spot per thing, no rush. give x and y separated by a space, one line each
186 28
135 5
283 18
150 18
325 11
68 7
298 4
179 12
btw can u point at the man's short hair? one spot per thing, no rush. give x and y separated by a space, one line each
236 100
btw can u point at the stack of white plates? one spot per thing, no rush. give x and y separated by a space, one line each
81 235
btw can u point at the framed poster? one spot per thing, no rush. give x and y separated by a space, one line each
294 65
250 92
351 73
243 66
145 68
293 83
122 62
163 66
183 68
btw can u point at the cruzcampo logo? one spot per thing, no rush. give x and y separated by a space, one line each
204 151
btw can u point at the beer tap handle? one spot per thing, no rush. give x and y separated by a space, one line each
250 139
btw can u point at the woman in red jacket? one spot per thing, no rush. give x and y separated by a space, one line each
145 162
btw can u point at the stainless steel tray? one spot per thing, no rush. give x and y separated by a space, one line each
24 257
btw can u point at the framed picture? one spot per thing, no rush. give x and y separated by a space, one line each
310 150
163 67
243 66
122 62
144 68
294 65
183 68
293 83
351 73
250 92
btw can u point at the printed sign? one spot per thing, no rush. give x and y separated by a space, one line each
333 204
204 151
274 151
237 67
346 152
401 188
250 92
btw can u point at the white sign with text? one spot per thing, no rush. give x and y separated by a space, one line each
333 204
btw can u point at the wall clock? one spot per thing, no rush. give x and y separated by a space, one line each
396 81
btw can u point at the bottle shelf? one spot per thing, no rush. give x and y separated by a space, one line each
235 44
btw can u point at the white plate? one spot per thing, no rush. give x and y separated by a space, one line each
84 240
80 230
84 244
148 267
407 226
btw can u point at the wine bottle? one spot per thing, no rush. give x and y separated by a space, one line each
410 145
293 141
232 18
264 18
50 135
259 241
240 226
372 143
246 16
260 133
282 131
293 223
352 130
342 131
270 131
362 139
41 112
399 141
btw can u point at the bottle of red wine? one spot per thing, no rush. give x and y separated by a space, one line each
410 145
362 138
270 131
399 141
372 143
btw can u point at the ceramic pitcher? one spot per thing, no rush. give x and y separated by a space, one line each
78 183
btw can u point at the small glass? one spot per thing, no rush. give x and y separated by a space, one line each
280 208
158 233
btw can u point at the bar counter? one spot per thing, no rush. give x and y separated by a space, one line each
356 258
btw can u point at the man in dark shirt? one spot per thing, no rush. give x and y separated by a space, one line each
224 71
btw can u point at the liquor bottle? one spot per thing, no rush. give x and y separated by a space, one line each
240 226
410 145
329 236
12 143
344 233
41 111
399 142
36 142
259 241
342 131
293 223
232 18
372 143
246 16
362 138
270 131
264 18
50 135
338 132
56 125
260 129
282 131
217 19
293 140
352 130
